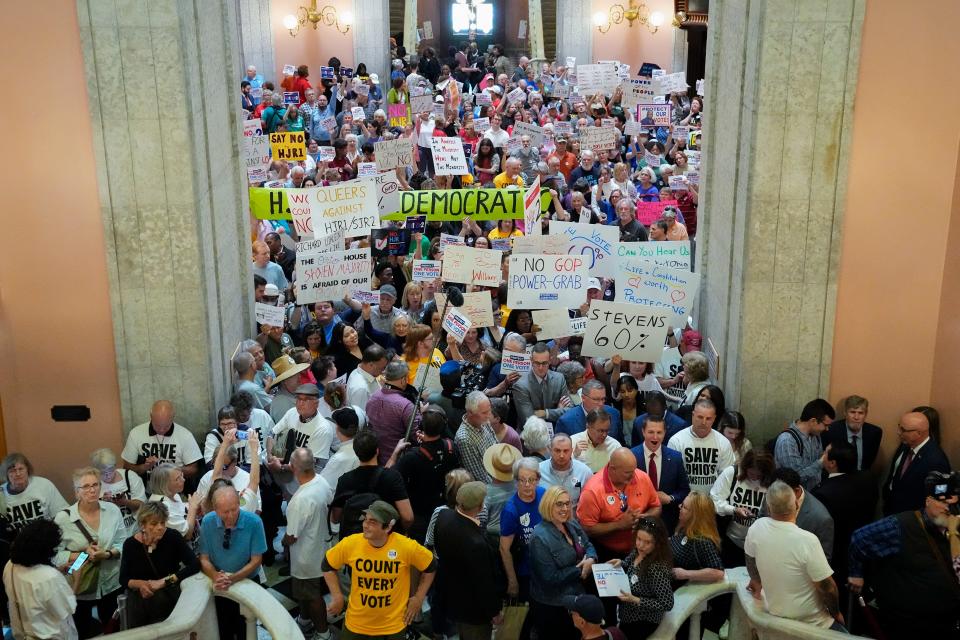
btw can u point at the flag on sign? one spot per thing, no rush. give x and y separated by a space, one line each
531 209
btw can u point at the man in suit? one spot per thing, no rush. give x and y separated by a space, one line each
594 396
665 468
538 392
918 455
855 430
851 498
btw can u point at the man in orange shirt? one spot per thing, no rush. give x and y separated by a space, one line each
612 502
568 161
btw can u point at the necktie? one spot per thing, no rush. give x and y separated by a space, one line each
652 471
854 440
906 462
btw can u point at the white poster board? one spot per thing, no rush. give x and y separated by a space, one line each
541 281
426 270
647 283
596 243
668 253
597 78
610 580
537 134
599 138
323 244
269 314
328 276
448 156
552 323
472 266
514 362
391 154
631 331
350 207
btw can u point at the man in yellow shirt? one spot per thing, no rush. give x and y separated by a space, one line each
511 174
380 559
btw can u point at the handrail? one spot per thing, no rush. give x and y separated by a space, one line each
195 613
748 618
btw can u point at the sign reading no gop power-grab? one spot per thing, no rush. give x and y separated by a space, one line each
632 331
327 276
540 281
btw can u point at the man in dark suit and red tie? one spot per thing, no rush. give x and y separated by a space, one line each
918 455
665 468
856 431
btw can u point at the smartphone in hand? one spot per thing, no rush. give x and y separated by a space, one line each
78 562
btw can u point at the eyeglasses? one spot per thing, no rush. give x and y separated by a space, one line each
623 502
226 538
562 505
88 487
527 480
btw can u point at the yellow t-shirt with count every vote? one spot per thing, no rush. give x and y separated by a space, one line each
380 581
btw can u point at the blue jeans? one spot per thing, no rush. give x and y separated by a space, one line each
836 626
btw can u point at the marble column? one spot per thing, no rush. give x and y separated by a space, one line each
256 36
409 26
371 37
161 78
575 31
535 29
780 84
679 60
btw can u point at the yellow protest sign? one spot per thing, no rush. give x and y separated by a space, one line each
289 146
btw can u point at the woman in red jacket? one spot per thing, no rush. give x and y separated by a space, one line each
298 82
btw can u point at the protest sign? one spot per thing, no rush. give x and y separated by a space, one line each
327 276
427 30
681 132
350 207
388 192
449 239
291 97
560 90
552 323
608 122
571 62
623 71
631 331
419 104
597 78
391 154
327 73
512 362
578 326
501 244
366 297
670 83
596 243
298 201
327 154
289 69
255 152
455 204
477 306
678 183
323 244
472 266
513 145
531 209
668 253
554 245
397 114
252 128
346 72
522 30
481 125
269 314
541 281
362 89
426 270
329 123
562 128
256 93
457 324
483 99
653 115
438 109
448 157
611 581
652 160
699 87
536 133
666 289
366 169
416 224
693 177
359 115
389 242
428 378
517 95
649 212
289 146
258 174
632 128
599 138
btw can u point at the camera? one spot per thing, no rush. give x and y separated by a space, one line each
943 486
471 379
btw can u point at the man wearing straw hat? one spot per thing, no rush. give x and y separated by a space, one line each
498 461
288 378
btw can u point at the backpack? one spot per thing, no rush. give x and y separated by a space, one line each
438 461
772 444
353 508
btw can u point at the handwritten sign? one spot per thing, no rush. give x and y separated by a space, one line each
426 270
668 253
597 78
555 245
481 125
472 266
647 283
350 207
391 154
634 332
388 192
289 146
552 323
448 156
541 281
427 30
610 580
455 204
670 83
537 134
299 206
650 212
327 276
359 115
421 103
653 115
457 324
323 244
512 362
397 114
269 314
483 99
329 123
599 138
477 305
596 243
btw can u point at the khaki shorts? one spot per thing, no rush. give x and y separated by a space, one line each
309 589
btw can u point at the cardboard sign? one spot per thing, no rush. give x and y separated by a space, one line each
631 331
455 204
397 114
477 305
359 115
471 266
553 323
668 253
448 157
289 146
653 115
555 245
537 134
639 91
647 283
323 244
419 104
291 97
540 281
597 244
610 580
599 138
512 362
350 207
650 212
428 378
457 324
327 276
597 78
269 314
670 83
426 270
391 154
327 154
427 30
366 169
481 125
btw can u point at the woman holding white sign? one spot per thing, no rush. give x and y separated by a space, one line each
648 568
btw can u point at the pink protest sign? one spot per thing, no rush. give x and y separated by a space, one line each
650 212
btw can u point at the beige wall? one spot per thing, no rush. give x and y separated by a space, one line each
56 336
635 45
312 48
896 310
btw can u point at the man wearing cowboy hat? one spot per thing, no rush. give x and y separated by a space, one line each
286 382
498 461
302 426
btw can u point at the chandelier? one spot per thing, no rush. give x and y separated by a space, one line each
327 15
634 12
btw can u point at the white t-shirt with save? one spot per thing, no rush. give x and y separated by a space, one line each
39 500
132 490
704 458
178 446
790 561
249 500
307 521
41 602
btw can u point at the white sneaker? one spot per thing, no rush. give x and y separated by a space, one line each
305 624
326 635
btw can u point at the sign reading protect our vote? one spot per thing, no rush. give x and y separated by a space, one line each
327 276
668 253
596 244
634 332
350 207
471 266
653 115
647 283
541 281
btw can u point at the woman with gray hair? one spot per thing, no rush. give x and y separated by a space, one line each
520 515
122 488
166 483
573 374
696 373
536 437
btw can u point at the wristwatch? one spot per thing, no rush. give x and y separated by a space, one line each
171 579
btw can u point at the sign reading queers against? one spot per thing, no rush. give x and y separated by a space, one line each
632 331
327 276
350 207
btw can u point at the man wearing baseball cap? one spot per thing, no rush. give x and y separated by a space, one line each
587 613
380 560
